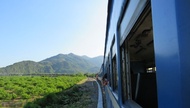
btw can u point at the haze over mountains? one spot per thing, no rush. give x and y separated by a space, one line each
61 63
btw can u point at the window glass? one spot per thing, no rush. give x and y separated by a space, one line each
115 75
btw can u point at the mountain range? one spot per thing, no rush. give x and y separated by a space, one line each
61 63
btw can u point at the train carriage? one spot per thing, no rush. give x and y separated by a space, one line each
146 56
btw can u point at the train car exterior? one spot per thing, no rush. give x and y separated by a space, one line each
146 56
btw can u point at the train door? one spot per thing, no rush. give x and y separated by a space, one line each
138 63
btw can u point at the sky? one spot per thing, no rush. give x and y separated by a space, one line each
38 29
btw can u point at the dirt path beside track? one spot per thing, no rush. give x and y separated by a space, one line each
90 89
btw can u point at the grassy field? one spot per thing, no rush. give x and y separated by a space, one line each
82 95
16 91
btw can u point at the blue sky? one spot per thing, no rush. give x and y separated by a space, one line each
38 29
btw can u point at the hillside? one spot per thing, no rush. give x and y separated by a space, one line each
61 63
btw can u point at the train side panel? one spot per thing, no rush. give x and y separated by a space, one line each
172 39
146 54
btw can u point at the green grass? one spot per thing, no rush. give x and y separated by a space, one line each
75 97
17 90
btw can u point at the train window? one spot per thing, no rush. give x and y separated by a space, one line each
125 71
142 61
115 75
139 70
109 76
125 77
109 71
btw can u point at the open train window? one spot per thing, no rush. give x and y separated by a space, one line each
143 75
139 44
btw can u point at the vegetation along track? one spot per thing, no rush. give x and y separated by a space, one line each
82 95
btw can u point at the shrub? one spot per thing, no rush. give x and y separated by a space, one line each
31 105
25 96
14 96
